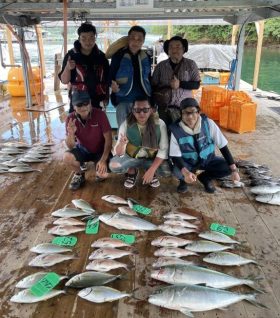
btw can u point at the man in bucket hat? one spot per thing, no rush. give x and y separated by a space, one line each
192 148
88 138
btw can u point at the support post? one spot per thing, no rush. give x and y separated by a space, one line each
57 68
233 34
65 17
10 46
260 31
169 29
240 46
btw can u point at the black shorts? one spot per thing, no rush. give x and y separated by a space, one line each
83 155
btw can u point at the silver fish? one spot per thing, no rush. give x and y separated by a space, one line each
126 210
15 144
22 169
167 261
49 248
203 246
169 241
178 222
179 215
82 204
269 198
70 212
127 222
109 242
65 229
217 237
32 279
101 294
175 230
46 260
14 163
227 259
114 199
68 221
5 157
87 279
173 252
11 151
109 253
105 265
190 298
31 160
196 275
230 184
26 297
265 189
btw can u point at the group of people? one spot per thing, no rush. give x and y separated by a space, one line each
149 137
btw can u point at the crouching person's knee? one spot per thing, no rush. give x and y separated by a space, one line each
68 158
115 167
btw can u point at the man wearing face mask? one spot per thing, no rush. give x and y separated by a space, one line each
130 73
85 67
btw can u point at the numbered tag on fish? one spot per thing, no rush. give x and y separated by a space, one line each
223 229
65 240
126 238
141 209
45 284
92 226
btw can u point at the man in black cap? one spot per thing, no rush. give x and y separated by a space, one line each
88 137
192 148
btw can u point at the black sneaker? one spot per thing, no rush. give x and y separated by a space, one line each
77 181
208 185
182 187
130 180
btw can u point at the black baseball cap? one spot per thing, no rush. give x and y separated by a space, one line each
189 102
80 97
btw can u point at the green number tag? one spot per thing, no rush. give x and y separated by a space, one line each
127 238
92 226
223 229
45 284
141 209
65 240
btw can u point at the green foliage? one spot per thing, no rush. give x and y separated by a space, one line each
160 30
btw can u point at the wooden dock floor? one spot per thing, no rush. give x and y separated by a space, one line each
27 201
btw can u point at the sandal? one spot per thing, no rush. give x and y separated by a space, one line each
130 180
155 182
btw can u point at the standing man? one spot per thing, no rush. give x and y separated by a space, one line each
88 138
130 73
85 67
192 148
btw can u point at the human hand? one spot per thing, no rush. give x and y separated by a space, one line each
235 176
71 64
148 176
189 177
123 139
175 83
101 169
115 87
71 127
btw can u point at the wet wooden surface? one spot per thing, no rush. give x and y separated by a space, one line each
27 201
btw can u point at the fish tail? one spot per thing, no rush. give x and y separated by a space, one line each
251 298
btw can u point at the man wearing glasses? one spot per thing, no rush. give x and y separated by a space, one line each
192 148
142 143
88 138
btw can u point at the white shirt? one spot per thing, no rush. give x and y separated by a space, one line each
215 133
163 143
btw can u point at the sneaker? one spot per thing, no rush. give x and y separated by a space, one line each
83 166
155 182
182 187
99 179
77 181
208 185
130 180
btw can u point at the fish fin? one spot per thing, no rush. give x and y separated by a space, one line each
256 289
186 312
256 303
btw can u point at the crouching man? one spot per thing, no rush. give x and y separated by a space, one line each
88 138
192 147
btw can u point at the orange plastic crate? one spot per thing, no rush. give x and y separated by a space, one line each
224 116
224 77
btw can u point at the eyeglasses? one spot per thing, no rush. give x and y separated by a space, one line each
82 104
189 113
139 110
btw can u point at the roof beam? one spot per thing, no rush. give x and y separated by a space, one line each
21 20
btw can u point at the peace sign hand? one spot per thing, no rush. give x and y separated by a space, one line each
71 127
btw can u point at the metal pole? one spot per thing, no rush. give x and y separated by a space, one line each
28 96
240 46
260 31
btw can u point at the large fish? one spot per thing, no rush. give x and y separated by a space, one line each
46 260
22 169
109 253
65 229
82 204
101 294
127 222
217 237
179 215
126 210
175 229
114 199
109 242
16 144
173 252
178 222
31 160
14 163
68 221
105 265
32 279
11 151
227 259
190 298
70 212
87 279
203 246
167 261
265 189
269 198
25 296
49 248
169 241
196 275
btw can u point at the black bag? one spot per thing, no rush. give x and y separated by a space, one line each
162 96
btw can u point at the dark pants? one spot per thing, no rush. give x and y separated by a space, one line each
215 168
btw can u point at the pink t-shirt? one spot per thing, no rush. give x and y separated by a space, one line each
91 134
